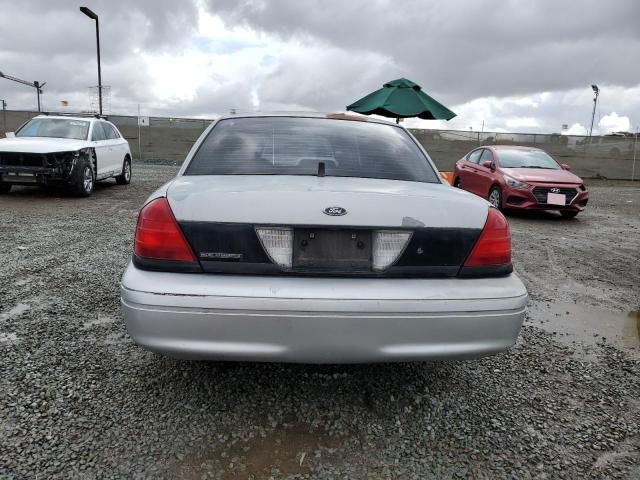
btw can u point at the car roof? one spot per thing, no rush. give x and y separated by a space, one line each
70 117
303 114
512 147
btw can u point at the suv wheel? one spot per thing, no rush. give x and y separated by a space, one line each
495 197
84 179
125 177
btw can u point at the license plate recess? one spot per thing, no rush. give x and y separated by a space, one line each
339 250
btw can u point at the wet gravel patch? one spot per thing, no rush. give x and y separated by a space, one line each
79 400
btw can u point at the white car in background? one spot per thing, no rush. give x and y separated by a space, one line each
321 239
73 152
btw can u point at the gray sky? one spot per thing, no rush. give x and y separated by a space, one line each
516 65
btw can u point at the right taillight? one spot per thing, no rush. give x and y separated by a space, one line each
158 235
494 245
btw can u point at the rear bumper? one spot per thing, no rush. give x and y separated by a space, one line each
321 320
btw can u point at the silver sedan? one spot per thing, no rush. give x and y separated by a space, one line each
318 239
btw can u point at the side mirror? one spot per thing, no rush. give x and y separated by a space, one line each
489 164
10 134
565 166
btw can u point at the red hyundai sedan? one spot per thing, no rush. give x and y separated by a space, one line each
513 177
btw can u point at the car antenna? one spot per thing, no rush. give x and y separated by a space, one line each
321 169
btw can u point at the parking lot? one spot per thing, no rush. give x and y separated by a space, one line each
79 400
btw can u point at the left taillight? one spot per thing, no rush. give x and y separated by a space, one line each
158 235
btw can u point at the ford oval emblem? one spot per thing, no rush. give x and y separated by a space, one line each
335 211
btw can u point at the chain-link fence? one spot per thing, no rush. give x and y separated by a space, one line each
163 139
13 119
610 156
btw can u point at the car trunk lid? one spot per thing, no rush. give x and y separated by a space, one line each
302 201
234 223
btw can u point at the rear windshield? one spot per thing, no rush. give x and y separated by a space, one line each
526 159
296 146
55 128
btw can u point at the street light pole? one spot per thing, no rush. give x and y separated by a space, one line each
596 91
89 13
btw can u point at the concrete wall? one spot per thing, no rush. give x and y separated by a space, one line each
169 140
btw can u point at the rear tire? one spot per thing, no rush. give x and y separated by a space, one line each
84 178
5 187
125 177
495 197
457 183
569 214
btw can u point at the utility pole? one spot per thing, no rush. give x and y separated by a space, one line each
596 92
4 115
35 84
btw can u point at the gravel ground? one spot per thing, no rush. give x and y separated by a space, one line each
79 400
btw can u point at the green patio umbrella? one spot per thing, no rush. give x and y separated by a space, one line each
401 99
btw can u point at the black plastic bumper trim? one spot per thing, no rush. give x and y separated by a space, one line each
157 265
488 271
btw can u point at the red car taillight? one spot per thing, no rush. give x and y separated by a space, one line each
158 235
494 245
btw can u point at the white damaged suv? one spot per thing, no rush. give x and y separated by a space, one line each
73 152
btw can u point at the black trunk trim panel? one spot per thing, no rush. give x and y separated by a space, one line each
208 239
234 248
442 247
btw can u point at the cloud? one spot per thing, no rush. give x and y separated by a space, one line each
576 129
62 28
55 42
506 65
614 123
544 112
462 51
